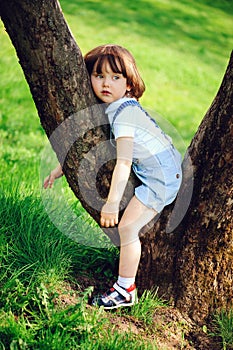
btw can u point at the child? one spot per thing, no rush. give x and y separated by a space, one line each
140 145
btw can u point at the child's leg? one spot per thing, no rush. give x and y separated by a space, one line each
136 216
123 292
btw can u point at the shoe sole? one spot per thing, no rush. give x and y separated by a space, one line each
120 305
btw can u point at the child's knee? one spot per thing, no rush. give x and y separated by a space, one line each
128 233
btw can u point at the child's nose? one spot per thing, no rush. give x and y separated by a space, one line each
106 82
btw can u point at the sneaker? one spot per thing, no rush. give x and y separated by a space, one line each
117 297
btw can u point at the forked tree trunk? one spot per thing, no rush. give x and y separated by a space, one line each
191 263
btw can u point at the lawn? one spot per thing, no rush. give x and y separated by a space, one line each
47 270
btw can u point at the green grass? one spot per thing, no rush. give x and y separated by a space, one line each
223 322
146 305
182 49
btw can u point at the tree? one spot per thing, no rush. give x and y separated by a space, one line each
191 263
196 259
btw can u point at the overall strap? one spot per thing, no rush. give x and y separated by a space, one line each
123 105
119 109
133 103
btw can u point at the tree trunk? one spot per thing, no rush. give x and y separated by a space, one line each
74 122
191 263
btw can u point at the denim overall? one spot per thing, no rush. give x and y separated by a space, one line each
159 173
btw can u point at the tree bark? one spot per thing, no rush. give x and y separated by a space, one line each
191 262
74 122
204 263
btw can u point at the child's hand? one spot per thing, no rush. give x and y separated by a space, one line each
55 174
49 180
109 215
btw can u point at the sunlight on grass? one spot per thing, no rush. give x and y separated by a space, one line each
145 308
224 328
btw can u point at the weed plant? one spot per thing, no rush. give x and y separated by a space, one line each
144 309
223 322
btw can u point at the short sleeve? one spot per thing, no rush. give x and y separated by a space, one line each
125 123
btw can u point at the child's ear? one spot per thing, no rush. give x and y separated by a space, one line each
128 92
128 88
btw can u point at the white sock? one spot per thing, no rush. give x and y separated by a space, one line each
125 282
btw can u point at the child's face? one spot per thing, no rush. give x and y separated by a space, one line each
108 86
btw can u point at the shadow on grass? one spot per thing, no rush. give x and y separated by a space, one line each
30 241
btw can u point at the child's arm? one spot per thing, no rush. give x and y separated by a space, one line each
109 213
55 174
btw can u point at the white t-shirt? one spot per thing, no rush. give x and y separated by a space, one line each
132 121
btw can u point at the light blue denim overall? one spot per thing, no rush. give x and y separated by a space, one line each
160 173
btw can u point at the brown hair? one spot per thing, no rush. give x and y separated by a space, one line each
120 61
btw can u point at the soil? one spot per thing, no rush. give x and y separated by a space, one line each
170 330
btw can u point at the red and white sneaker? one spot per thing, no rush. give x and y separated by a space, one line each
117 297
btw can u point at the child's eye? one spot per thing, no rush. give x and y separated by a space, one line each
116 77
98 76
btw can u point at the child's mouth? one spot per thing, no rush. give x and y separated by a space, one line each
104 92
